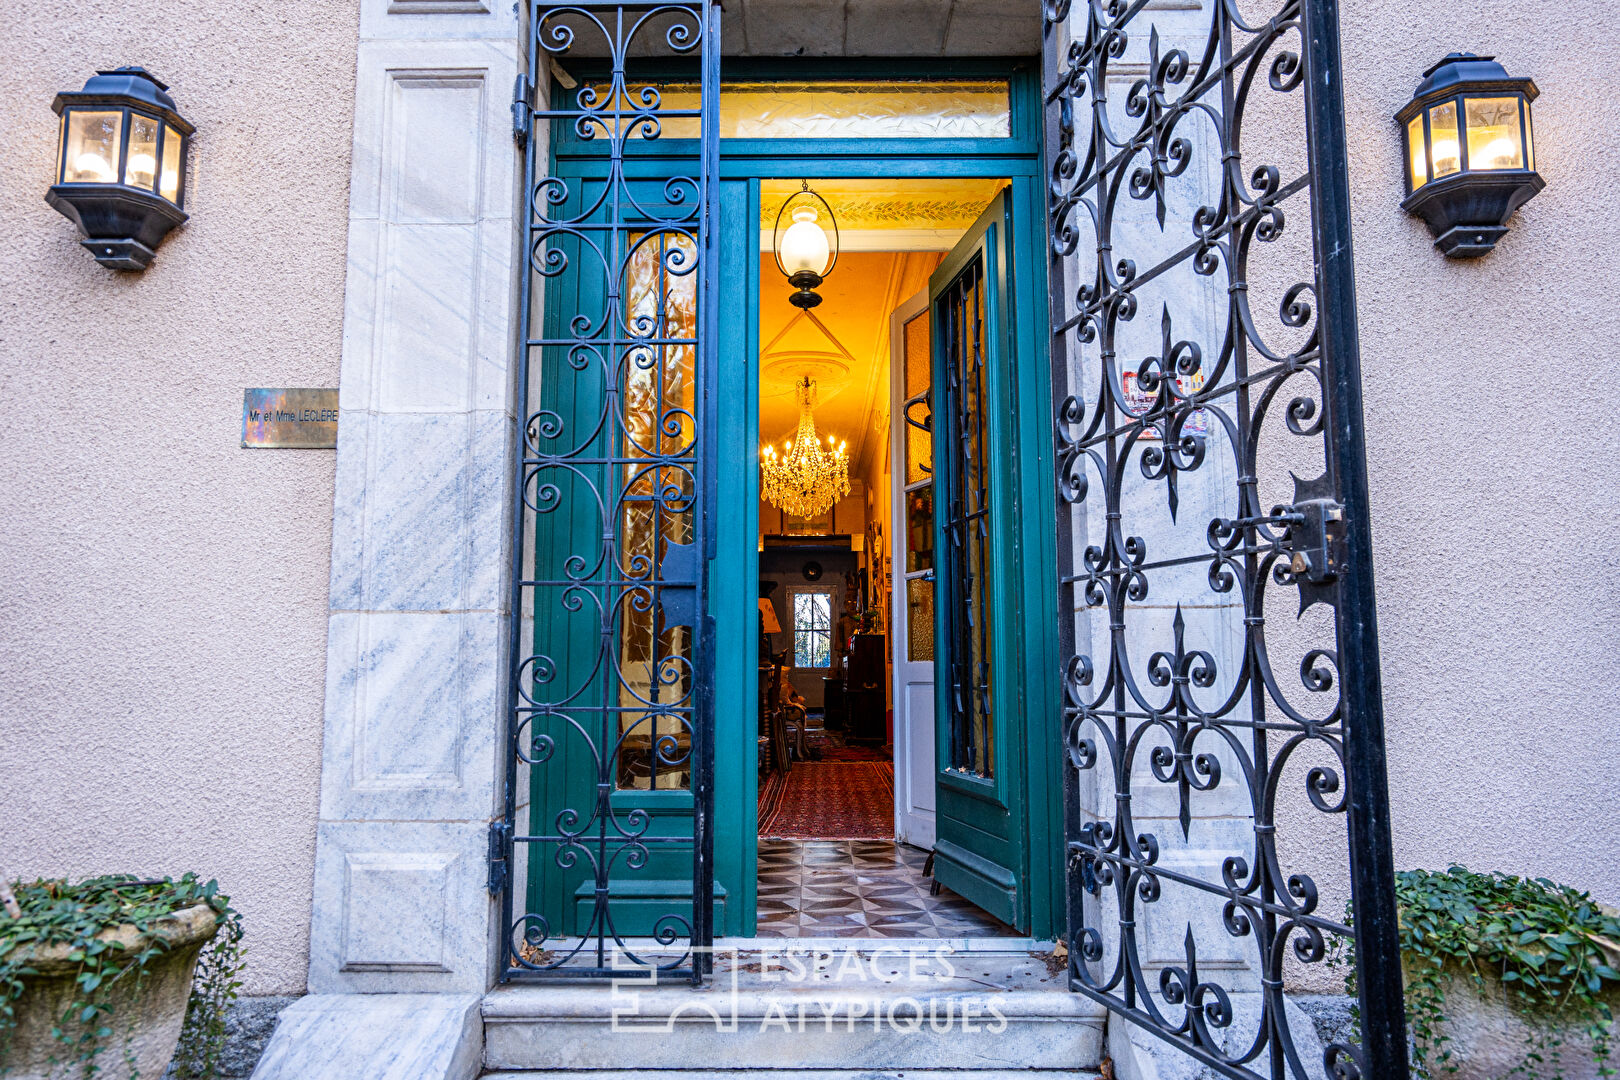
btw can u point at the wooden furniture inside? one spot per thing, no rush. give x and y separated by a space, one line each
865 697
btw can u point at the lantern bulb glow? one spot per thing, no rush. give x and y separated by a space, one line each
92 168
804 245
1446 156
142 167
1498 154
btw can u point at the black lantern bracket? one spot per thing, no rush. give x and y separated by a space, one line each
1466 107
133 193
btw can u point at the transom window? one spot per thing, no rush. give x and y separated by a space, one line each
826 109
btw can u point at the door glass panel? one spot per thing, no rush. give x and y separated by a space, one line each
920 529
919 442
920 618
965 574
847 109
655 659
919 524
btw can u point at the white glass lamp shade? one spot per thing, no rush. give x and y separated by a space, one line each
804 245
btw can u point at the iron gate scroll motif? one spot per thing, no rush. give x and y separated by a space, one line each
1221 715
611 667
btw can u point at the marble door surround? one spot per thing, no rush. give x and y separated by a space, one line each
410 772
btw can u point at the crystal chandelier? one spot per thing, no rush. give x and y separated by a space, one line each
806 479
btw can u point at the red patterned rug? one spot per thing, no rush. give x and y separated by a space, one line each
829 800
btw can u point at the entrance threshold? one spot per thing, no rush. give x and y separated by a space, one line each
975 945
862 1005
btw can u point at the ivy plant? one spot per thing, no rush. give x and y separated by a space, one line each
1554 950
74 914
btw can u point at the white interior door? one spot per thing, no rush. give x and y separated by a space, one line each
912 551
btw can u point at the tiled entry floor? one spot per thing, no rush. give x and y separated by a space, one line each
859 888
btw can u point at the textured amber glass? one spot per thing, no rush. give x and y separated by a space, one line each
656 387
848 109
1529 138
919 619
1494 141
1445 152
918 374
1416 151
92 147
169 188
141 166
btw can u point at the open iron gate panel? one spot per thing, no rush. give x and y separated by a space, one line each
1212 509
611 708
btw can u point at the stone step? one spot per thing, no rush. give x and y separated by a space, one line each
797 1074
861 1011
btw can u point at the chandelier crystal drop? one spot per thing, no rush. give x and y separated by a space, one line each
806 478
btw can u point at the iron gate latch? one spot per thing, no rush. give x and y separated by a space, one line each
1314 539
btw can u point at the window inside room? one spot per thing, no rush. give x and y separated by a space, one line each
812 627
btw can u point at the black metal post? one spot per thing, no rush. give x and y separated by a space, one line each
708 362
1372 863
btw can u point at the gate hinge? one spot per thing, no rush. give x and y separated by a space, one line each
522 108
500 845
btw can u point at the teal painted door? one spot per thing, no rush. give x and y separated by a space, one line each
619 720
979 851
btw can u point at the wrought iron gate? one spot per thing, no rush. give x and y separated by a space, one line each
1213 519
611 667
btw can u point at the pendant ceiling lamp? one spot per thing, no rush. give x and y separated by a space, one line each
806 252
806 479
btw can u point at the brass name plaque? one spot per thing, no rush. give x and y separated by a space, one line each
295 419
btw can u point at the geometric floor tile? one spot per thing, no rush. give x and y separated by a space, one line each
859 888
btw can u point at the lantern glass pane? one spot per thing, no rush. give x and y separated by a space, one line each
92 147
170 188
1445 152
140 168
1529 139
1415 151
1493 133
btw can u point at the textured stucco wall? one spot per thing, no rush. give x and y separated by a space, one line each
1494 450
163 592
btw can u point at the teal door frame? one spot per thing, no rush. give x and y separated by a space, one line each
1030 558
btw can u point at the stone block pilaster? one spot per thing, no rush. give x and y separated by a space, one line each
410 765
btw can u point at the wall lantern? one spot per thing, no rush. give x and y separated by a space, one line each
121 165
805 253
1470 153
